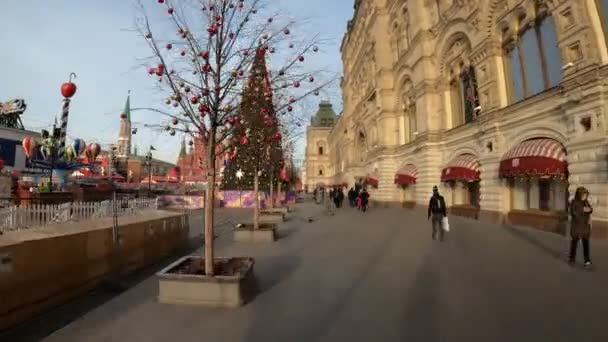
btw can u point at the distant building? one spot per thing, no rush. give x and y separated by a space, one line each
192 163
316 171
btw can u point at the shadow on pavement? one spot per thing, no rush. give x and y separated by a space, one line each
54 319
421 321
541 244
284 233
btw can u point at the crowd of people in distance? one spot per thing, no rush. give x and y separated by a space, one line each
357 197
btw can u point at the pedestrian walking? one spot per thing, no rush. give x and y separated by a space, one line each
580 229
340 197
437 212
364 199
335 197
352 198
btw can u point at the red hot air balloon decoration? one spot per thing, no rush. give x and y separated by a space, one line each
29 146
92 151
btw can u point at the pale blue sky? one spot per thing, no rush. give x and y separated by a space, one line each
43 41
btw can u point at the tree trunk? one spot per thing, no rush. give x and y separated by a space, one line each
271 205
209 199
279 191
256 202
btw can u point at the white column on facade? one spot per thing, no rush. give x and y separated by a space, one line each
402 129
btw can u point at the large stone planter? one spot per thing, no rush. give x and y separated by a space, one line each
281 210
184 283
267 232
275 218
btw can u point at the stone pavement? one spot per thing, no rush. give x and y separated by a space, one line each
378 276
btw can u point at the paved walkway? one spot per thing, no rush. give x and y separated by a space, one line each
379 277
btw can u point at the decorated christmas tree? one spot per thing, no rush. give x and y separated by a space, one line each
257 133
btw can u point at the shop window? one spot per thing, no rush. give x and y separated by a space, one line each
473 194
544 189
541 194
533 60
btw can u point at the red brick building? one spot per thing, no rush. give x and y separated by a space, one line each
192 164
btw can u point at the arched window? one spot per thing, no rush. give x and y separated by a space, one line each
320 150
320 172
533 59
464 97
602 6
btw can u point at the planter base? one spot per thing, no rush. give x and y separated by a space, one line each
246 233
184 283
276 210
273 218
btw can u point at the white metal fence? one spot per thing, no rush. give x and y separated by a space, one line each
15 218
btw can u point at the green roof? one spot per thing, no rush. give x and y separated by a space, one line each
325 117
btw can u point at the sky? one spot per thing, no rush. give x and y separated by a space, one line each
44 41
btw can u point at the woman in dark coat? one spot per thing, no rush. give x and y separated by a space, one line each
580 229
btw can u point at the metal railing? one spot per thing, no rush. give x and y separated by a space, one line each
16 218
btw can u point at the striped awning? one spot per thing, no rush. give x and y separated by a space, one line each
536 157
406 175
372 180
465 167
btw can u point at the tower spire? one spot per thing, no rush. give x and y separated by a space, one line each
124 136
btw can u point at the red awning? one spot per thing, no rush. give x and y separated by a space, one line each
465 167
372 180
536 157
406 175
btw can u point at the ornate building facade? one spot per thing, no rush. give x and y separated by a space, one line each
502 103
317 170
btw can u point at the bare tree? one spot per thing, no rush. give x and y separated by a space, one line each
200 57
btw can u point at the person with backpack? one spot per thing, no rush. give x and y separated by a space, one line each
437 211
580 211
364 199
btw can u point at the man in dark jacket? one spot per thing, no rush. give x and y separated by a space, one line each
437 211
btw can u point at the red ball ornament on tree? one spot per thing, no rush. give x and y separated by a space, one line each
311 78
169 46
315 48
278 136
151 71
204 54
289 108
161 1
244 140
170 10
183 53
194 100
68 89
286 31
174 122
296 84
292 99
203 108
301 58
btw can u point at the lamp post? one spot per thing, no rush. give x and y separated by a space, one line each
239 175
148 164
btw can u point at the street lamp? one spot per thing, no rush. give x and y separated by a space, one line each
148 164
239 175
